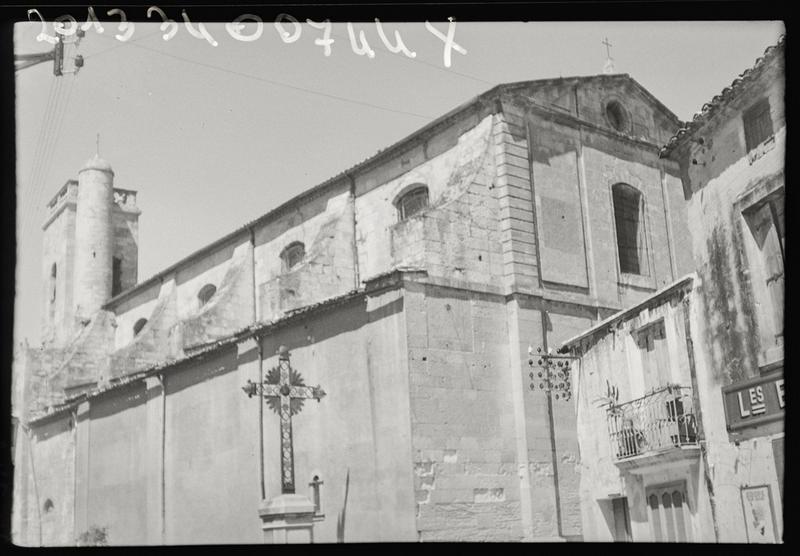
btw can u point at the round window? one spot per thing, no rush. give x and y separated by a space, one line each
618 116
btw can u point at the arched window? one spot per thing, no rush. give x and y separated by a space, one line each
412 201
292 255
53 274
138 326
206 293
630 228
48 506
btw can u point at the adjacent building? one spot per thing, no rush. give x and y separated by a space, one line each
680 397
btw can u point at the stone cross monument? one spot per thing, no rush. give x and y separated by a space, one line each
287 518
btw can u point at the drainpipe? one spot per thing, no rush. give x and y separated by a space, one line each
698 412
33 476
253 273
162 383
75 473
553 453
356 273
256 317
261 419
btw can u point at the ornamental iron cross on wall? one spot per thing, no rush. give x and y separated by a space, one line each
284 391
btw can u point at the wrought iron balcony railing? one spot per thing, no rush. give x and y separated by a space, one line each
658 421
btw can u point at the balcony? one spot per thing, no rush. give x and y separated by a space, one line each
655 429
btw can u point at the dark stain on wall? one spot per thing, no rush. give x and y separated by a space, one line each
722 315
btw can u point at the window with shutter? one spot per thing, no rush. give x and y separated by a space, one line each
655 356
757 124
766 222
629 225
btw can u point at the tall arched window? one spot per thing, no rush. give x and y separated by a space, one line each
630 228
206 293
53 274
138 326
412 201
292 255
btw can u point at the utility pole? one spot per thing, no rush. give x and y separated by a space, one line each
23 61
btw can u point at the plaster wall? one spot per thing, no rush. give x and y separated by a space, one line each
357 439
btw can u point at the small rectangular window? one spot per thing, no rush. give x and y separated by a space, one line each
116 276
757 124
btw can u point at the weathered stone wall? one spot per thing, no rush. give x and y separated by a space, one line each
721 183
126 244
159 338
568 247
325 227
357 439
58 246
457 170
456 237
138 306
113 457
211 459
44 483
734 324
232 306
463 431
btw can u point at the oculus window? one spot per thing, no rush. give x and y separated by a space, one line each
617 116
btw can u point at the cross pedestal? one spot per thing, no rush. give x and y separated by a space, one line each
287 519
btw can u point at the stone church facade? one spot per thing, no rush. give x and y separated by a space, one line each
409 287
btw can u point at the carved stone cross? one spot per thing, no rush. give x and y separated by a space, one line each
284 391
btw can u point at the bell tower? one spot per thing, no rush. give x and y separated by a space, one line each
94 237
90 249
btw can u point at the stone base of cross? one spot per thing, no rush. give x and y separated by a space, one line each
287 519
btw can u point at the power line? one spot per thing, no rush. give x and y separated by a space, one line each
118 45
42 145
281 84
419 61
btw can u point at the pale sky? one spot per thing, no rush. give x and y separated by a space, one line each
213 137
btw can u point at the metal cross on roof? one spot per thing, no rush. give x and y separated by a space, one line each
284 391
609 66
608 47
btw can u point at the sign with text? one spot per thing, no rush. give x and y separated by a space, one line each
755 402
